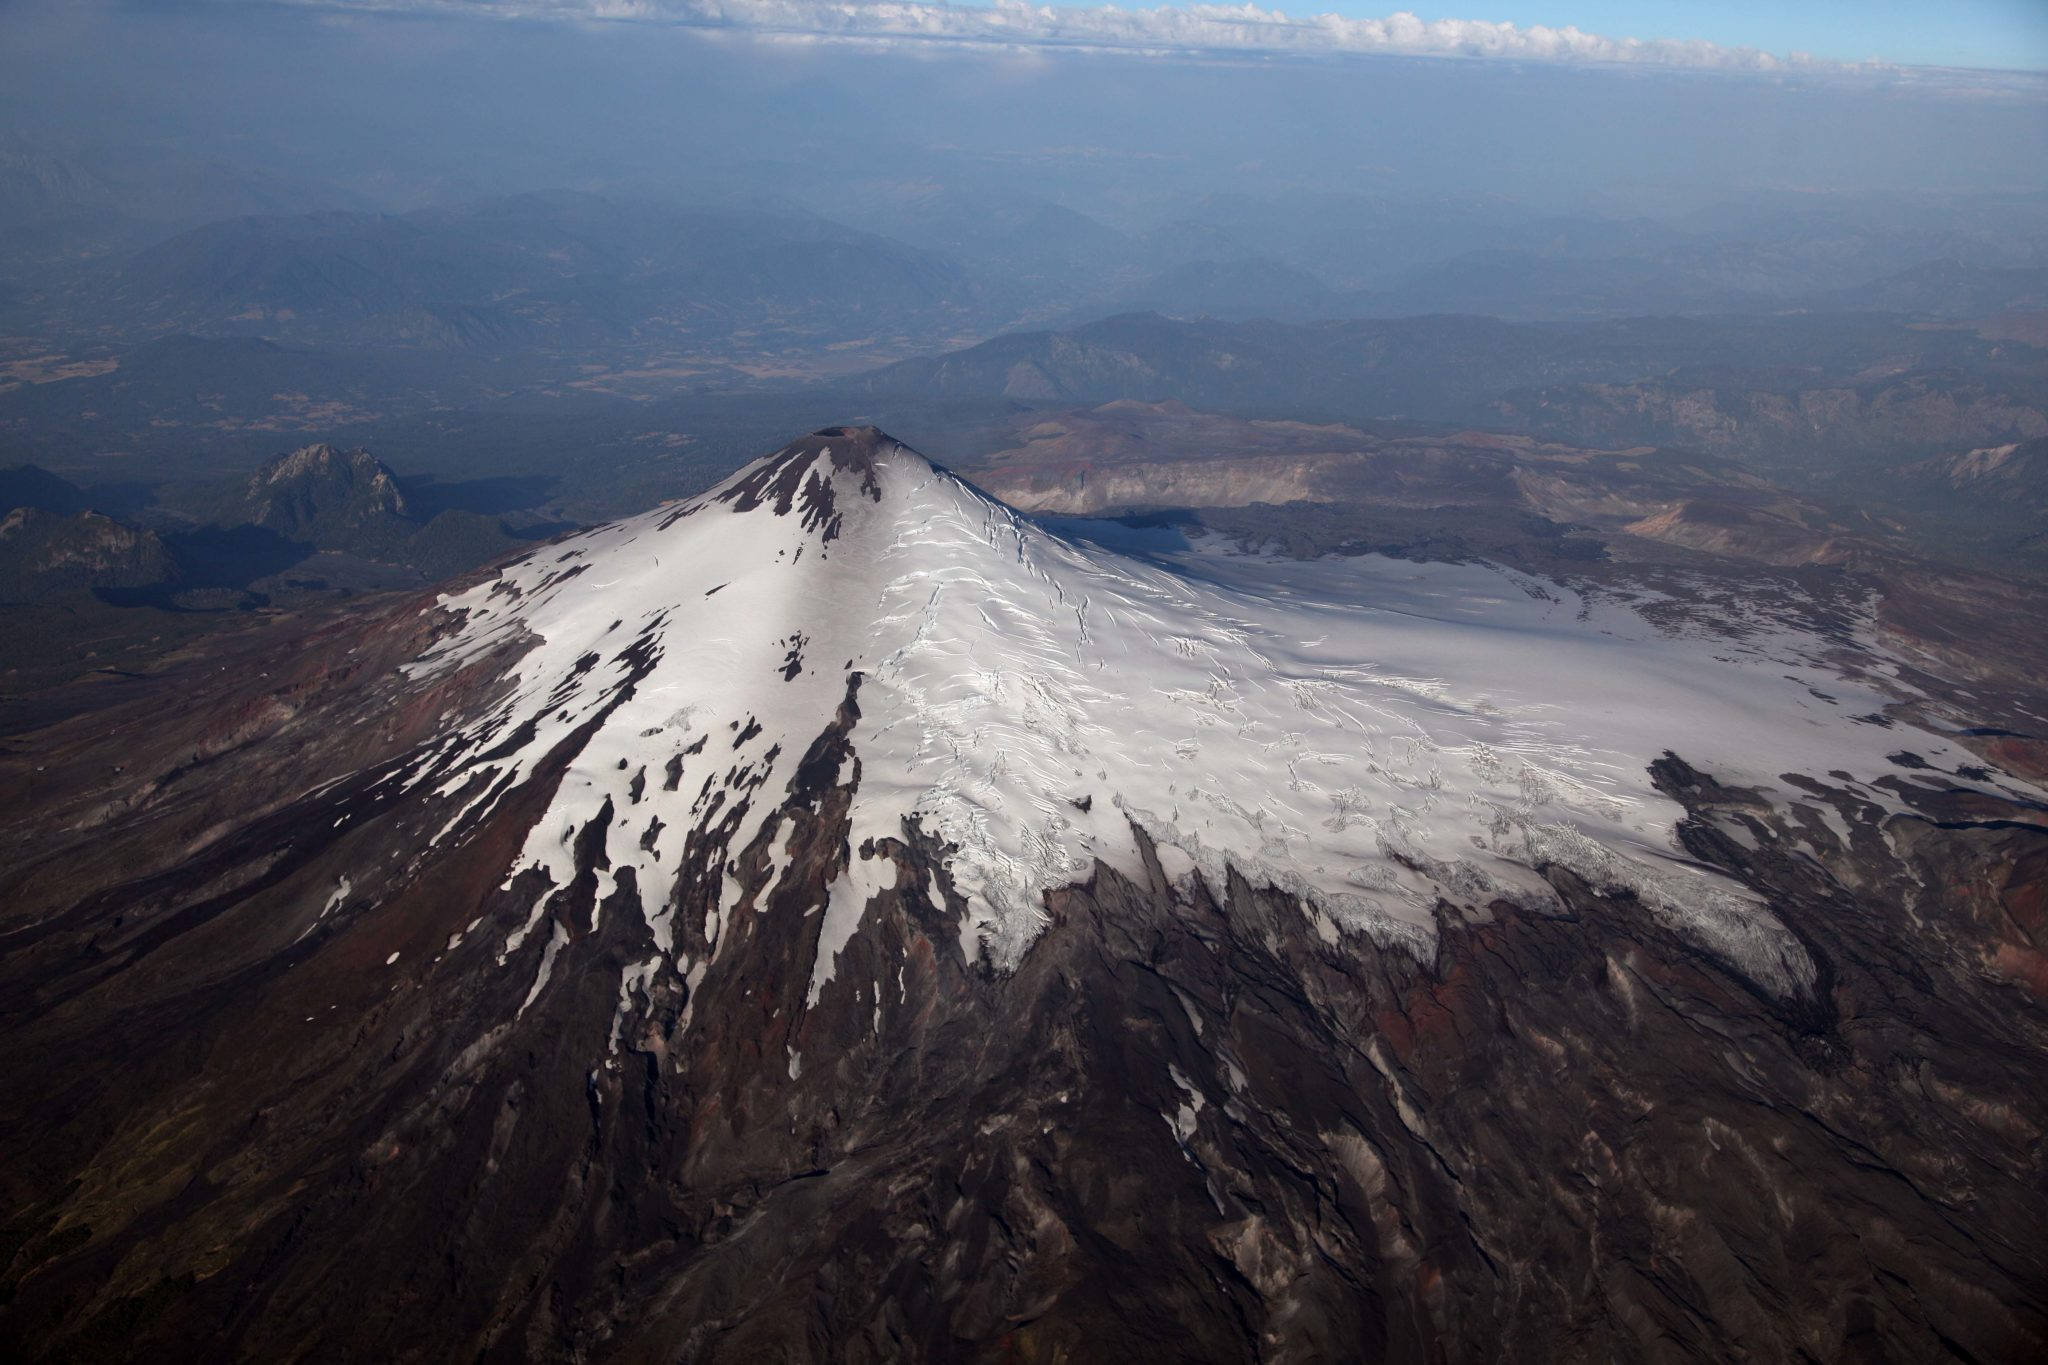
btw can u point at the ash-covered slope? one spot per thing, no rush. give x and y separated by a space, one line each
833 918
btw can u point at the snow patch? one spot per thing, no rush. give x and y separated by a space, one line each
556 940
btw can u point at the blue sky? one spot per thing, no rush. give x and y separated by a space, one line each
2006 38
1989 33
401 103
2004 35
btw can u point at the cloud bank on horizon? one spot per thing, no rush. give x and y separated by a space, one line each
1244 29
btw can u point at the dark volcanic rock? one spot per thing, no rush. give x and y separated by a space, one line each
272 1092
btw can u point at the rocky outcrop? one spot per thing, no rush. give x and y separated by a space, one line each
328 497
1759 532
2015 473
45 555
1085 491
349 502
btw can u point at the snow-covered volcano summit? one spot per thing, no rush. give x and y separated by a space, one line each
834 918
1385 745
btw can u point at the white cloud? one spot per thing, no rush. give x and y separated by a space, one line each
1194 29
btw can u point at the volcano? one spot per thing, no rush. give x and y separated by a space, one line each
836 918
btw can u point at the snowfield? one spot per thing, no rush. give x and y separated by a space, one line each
1375 736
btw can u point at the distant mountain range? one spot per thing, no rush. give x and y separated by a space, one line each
1949 289
612 279
60 198
542 270
1885 385
1773 425
1528 286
